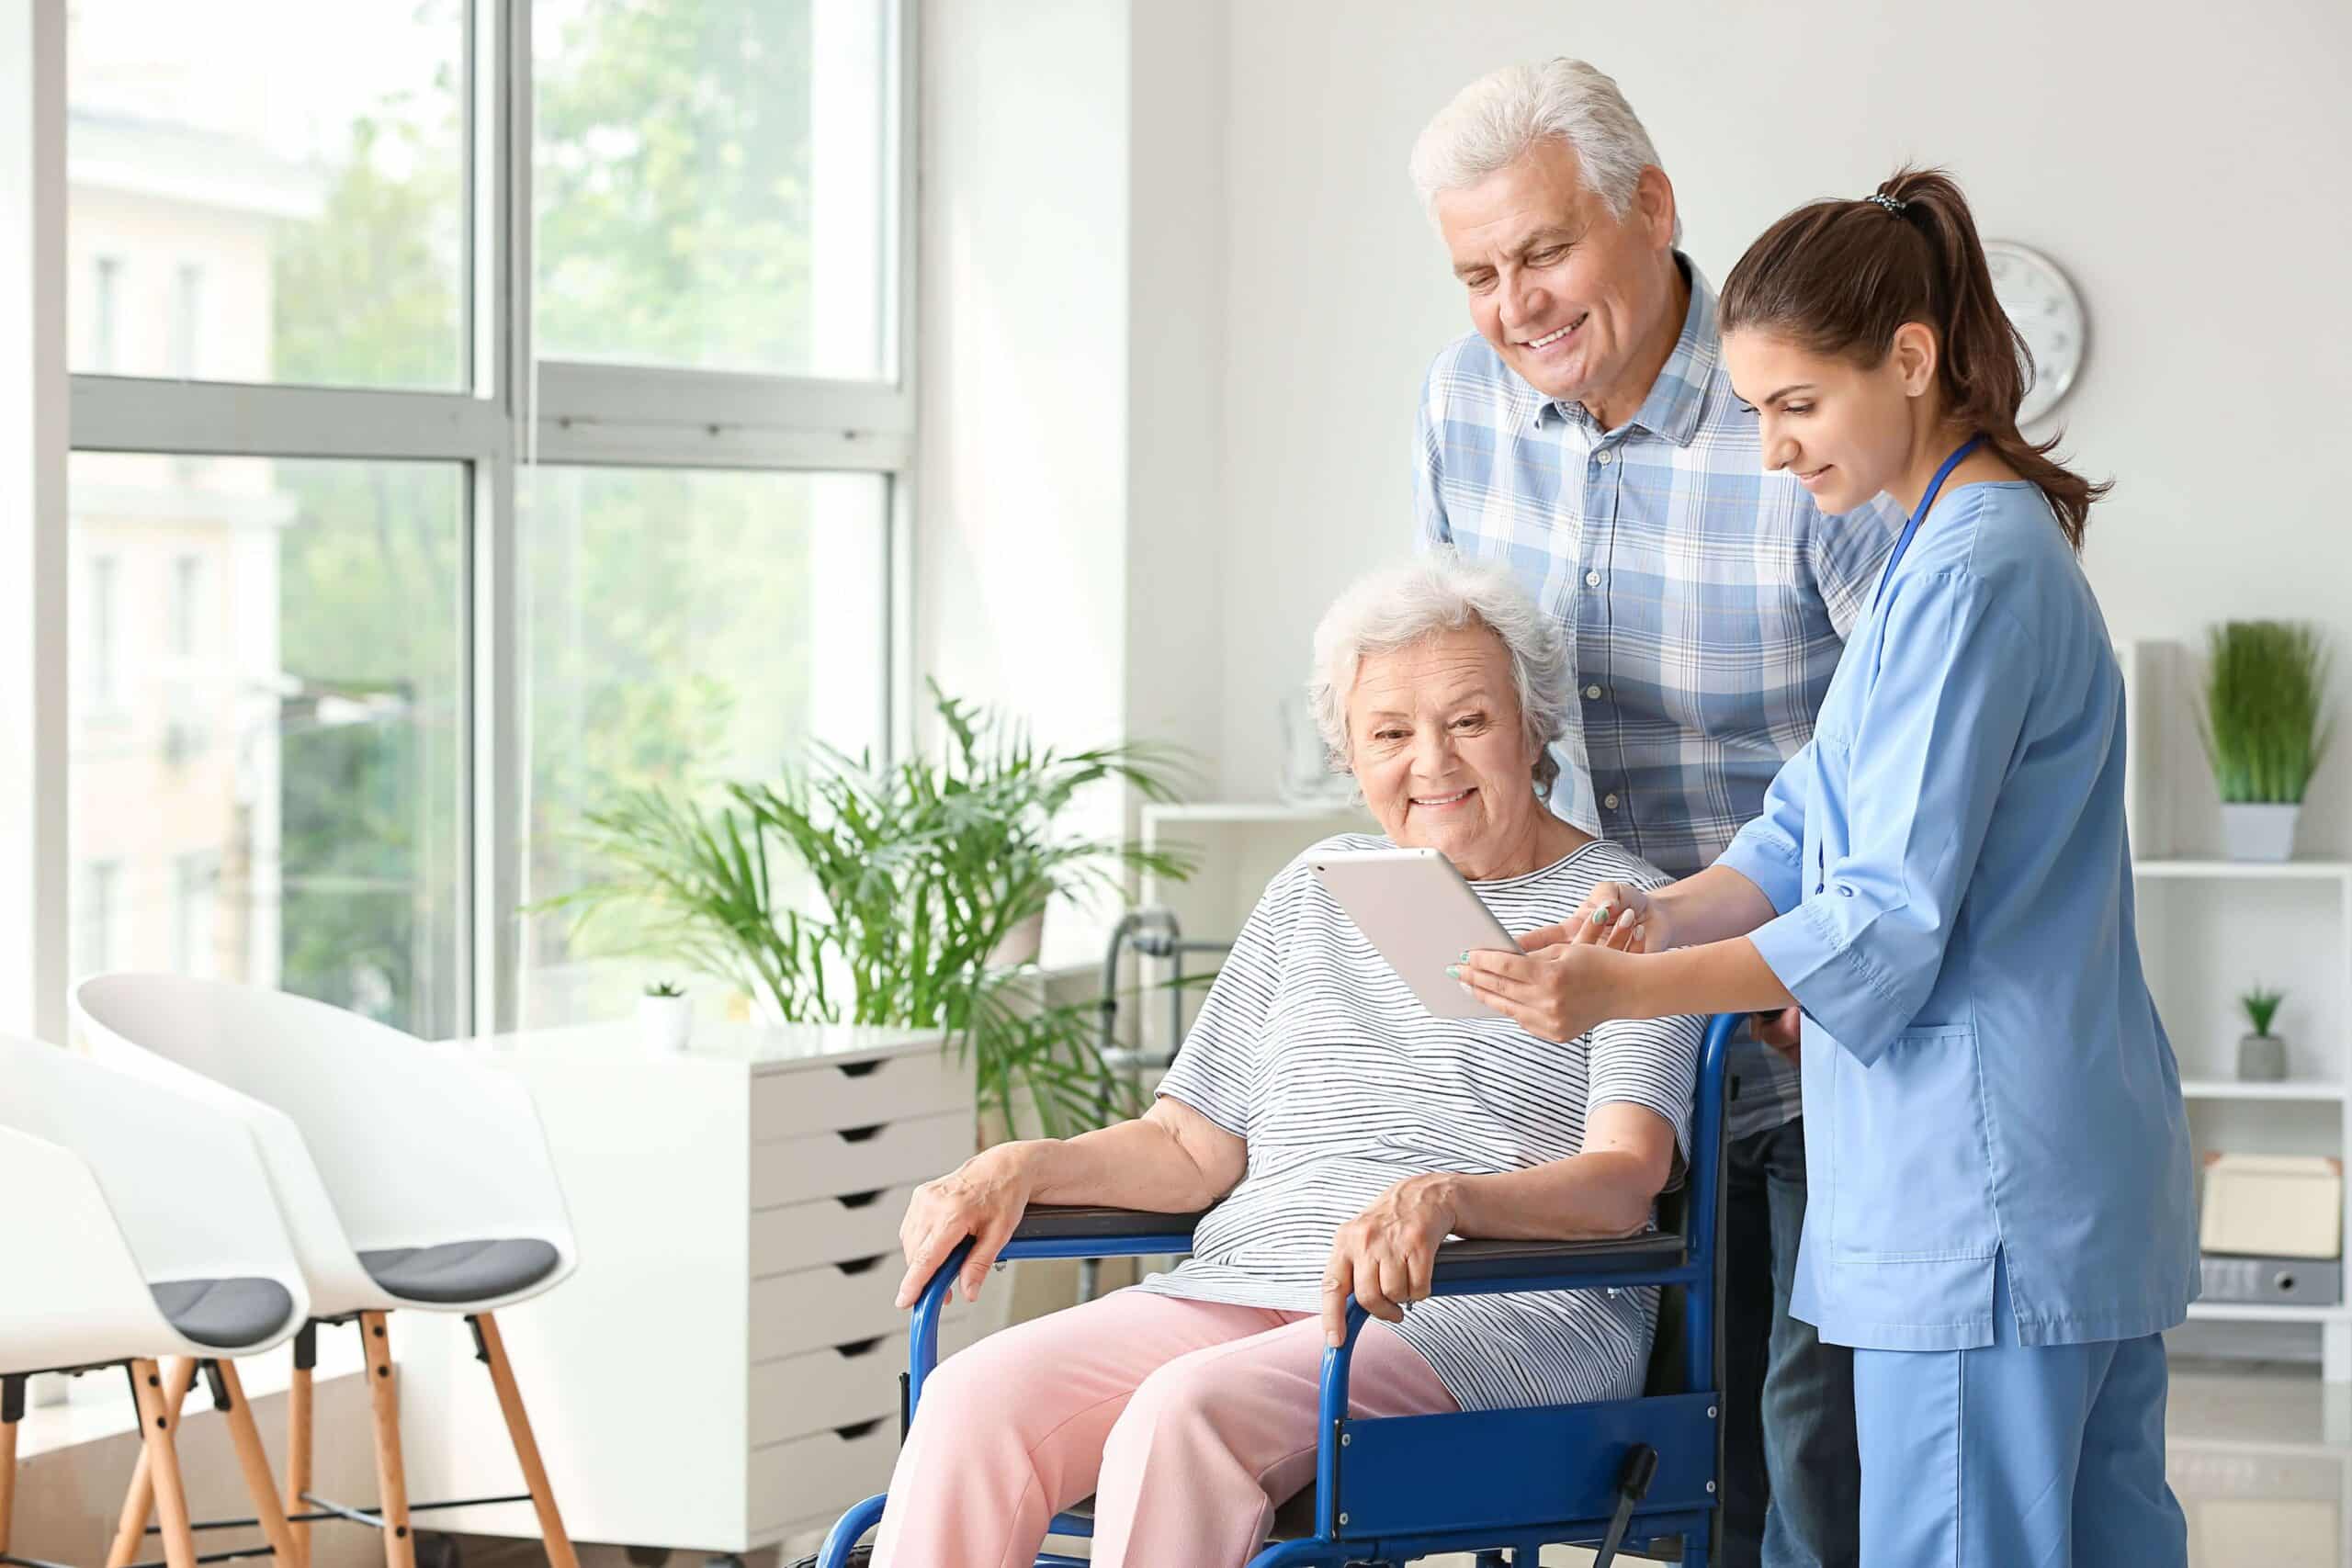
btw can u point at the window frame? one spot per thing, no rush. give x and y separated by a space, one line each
516 413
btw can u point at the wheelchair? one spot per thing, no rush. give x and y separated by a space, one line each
1632 1475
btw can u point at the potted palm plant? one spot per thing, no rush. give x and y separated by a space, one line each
2264 731
905 896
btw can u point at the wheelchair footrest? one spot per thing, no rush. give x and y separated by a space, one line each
1405 1475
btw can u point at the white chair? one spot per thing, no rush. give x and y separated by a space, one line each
411 1174
137 1222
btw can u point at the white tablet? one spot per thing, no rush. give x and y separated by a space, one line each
1421 916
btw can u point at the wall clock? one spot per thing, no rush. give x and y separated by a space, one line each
2048 312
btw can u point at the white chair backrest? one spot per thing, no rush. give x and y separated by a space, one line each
409 1144
184 1194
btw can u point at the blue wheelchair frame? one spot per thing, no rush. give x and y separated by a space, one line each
1393 1489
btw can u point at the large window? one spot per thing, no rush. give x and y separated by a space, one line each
431 487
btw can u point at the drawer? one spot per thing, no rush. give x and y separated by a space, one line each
826 1096
821 1473
829 1230
833 1305
819 1389
844 1384
858 1159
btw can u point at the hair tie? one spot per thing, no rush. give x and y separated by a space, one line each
1896 205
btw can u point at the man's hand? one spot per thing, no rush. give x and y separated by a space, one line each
983 1199
1783 1030
1384 1255
1556 992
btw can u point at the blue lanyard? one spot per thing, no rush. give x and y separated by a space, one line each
1903 540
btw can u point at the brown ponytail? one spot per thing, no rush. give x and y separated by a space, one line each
1840 277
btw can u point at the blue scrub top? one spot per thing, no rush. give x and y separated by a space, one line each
1984 1069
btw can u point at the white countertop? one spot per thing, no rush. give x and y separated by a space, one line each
724 1047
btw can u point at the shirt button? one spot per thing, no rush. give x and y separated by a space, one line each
1592 691
1592 580
1845 890
1603 458
1611 803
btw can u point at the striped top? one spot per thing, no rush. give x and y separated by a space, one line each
1311 1049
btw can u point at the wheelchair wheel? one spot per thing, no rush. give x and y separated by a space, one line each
860 1556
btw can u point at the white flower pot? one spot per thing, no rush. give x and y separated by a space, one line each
663 1023
2258 832
1021 945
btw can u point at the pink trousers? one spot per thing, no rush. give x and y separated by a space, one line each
1189 1421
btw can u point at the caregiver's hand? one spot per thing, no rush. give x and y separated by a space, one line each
1617 915
1556 992
1386 1254
984 1199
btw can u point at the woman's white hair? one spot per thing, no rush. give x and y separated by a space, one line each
1397 607
1495 120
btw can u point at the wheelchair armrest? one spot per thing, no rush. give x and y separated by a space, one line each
1480 1265
1090 1231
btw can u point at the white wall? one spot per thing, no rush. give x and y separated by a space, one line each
1070 538
2186 170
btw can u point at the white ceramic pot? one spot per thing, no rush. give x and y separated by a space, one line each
1021 945
2258 832
663 1023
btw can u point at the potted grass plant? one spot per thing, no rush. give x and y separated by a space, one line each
2263 730
907 895
2262 1056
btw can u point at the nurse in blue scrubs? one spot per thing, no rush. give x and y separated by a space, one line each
2001 1223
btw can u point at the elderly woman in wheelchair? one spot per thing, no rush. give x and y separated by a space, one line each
1337 1133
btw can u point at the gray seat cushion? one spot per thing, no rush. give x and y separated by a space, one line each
224 1313
457 1273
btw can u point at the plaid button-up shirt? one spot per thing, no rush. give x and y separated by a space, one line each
1705 601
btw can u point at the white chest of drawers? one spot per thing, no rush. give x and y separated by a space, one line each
722 1372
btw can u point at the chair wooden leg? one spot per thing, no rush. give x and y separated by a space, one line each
391 1479
138 1500
298 1435
526 1447
159 1429
12 1410
245 1438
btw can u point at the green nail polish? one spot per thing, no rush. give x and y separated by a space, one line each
1453 971
1463 956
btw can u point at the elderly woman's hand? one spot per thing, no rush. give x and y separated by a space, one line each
1558 991
984 1199
1386 1254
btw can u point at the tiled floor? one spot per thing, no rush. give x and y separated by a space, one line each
2261 1457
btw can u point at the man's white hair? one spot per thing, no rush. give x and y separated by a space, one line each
1395 608
1495 120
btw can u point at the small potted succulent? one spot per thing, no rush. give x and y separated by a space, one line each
665 1018
2265 730
2262 1056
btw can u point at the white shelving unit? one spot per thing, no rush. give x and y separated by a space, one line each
2211 928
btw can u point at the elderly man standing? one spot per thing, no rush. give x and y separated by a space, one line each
1586 433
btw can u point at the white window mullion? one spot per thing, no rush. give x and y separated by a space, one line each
501 270
124 413
33 421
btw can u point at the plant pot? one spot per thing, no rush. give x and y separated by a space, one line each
2262 1059
665 1023
1021 945
2258 832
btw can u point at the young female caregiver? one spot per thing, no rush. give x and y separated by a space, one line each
2001 1214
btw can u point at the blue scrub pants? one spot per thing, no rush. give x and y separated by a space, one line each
2017 1455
